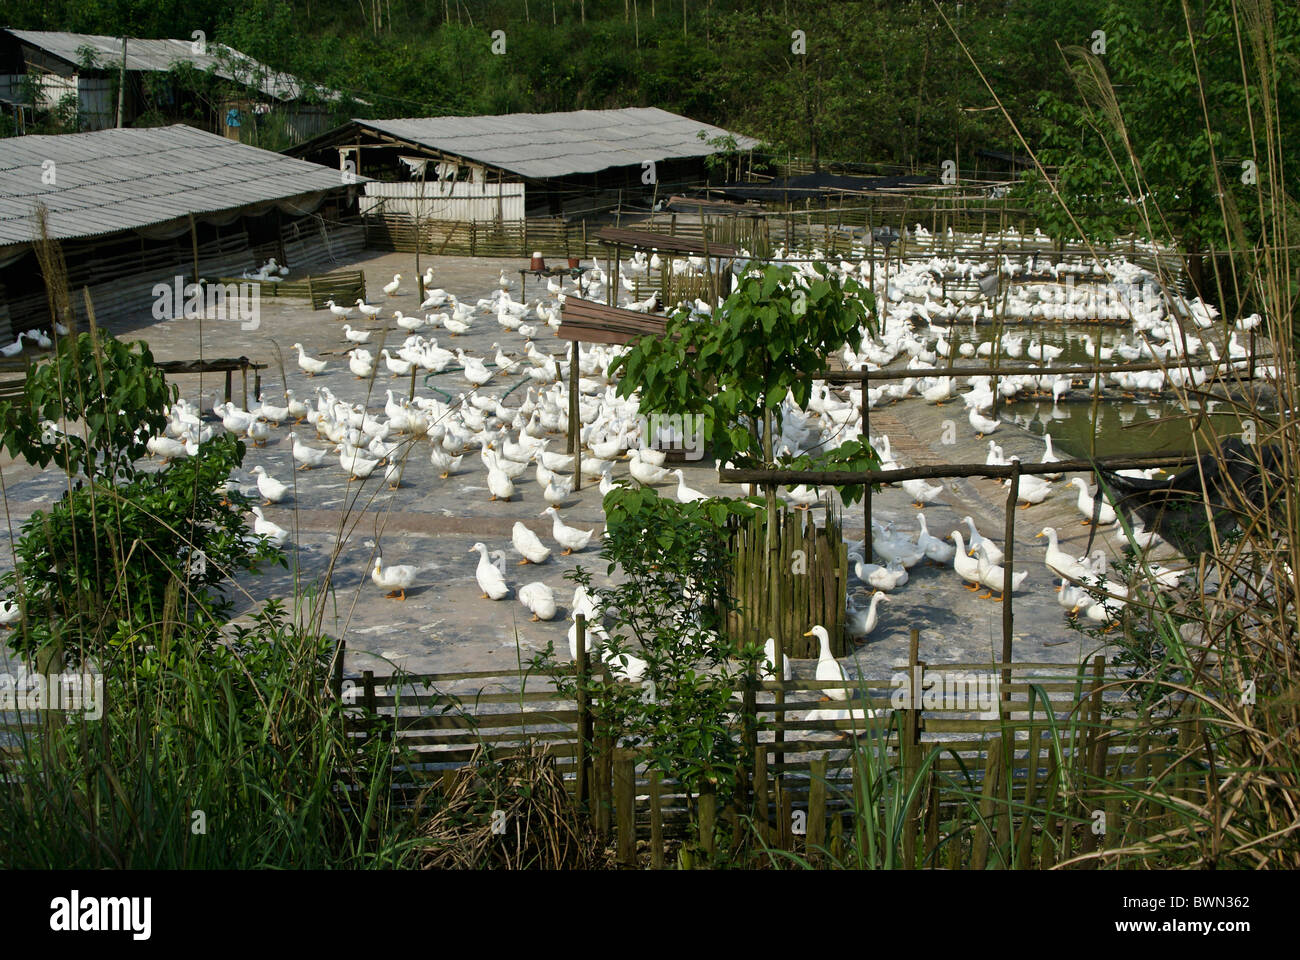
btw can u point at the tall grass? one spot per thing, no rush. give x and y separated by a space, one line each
230 758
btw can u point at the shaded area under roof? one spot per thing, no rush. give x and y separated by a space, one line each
643 240
121 179
162 55
544 145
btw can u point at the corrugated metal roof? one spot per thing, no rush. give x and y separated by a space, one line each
542 145
162 55
112 180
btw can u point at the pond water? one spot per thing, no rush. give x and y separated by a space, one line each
1138 427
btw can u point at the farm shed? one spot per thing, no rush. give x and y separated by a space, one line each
565 164
41 68
129 206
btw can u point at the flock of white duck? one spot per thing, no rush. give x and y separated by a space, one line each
915 319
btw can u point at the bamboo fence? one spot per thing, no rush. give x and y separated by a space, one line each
1023 784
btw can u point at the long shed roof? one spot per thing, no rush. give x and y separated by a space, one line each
121 179
161 55
544 145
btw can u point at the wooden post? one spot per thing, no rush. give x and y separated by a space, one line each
625 805
656 823
410 396
1008 556
582 784
954 842
910 747
368 694
816 826
981 836
781 832
761 798
604 773
708 806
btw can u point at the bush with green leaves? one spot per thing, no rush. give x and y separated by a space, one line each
735 369
126 553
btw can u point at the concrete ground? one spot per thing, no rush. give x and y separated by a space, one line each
443 625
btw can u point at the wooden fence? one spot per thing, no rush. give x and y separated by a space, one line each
1039 762
551 236
344 288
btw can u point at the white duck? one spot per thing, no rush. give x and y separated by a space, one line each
10 612
443 461
684 493
991 549
921 492
934 548
307 456
269 530
500 486
767 670
1049 456
490 579
355 336
358 467
644 472
862 620
828 668
396 579
539 599
992 576
308 365
983 425
361 363
557 490
528 545
624 666
271 489
1031 490
1060 562
966 566
570 538
1087 503
259 431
